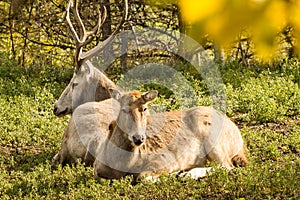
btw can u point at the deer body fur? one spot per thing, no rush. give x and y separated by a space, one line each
176 141
89 123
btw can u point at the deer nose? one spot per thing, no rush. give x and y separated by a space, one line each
138 139
55 109
58 112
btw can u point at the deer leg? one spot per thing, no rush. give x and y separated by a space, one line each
221 157
90 155
56 158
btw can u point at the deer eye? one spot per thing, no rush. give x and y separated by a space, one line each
74 85
142 109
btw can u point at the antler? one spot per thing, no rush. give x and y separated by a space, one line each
87 37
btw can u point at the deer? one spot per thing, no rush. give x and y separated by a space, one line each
172 142
90 125
88 83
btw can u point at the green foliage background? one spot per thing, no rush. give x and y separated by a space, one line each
263 101
35 55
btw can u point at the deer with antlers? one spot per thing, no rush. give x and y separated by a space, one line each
88 83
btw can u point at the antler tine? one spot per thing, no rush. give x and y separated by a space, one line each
84 34
86 37
79 21
75 37
95 50
70 23
96 28
104 16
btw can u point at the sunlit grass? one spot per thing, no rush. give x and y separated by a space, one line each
30 135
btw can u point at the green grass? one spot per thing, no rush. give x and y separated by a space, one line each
264 103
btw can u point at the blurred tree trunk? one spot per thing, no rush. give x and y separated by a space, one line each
26 34
124 40
182 29
11 27
218 53
124 49
289 39
106 32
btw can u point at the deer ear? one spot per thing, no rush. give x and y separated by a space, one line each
114 93
150 95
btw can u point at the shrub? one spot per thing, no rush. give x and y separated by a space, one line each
265 98
30 135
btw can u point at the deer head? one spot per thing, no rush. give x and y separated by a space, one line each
133 116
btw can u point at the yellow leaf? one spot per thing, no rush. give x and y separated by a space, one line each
276 13
223 20
196 10
295 14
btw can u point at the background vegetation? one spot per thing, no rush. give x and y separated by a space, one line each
36 65
264 104
34 31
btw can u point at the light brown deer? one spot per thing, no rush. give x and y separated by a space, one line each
88 83
91 123
175 141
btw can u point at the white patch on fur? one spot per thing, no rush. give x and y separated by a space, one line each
152 179
196 173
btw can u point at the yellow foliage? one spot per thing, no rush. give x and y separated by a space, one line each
193 11
276 13
223 20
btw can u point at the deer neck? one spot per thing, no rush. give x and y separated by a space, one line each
119 154
120 139
103 85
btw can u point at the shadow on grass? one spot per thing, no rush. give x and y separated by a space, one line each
32 174
46 186
25 159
